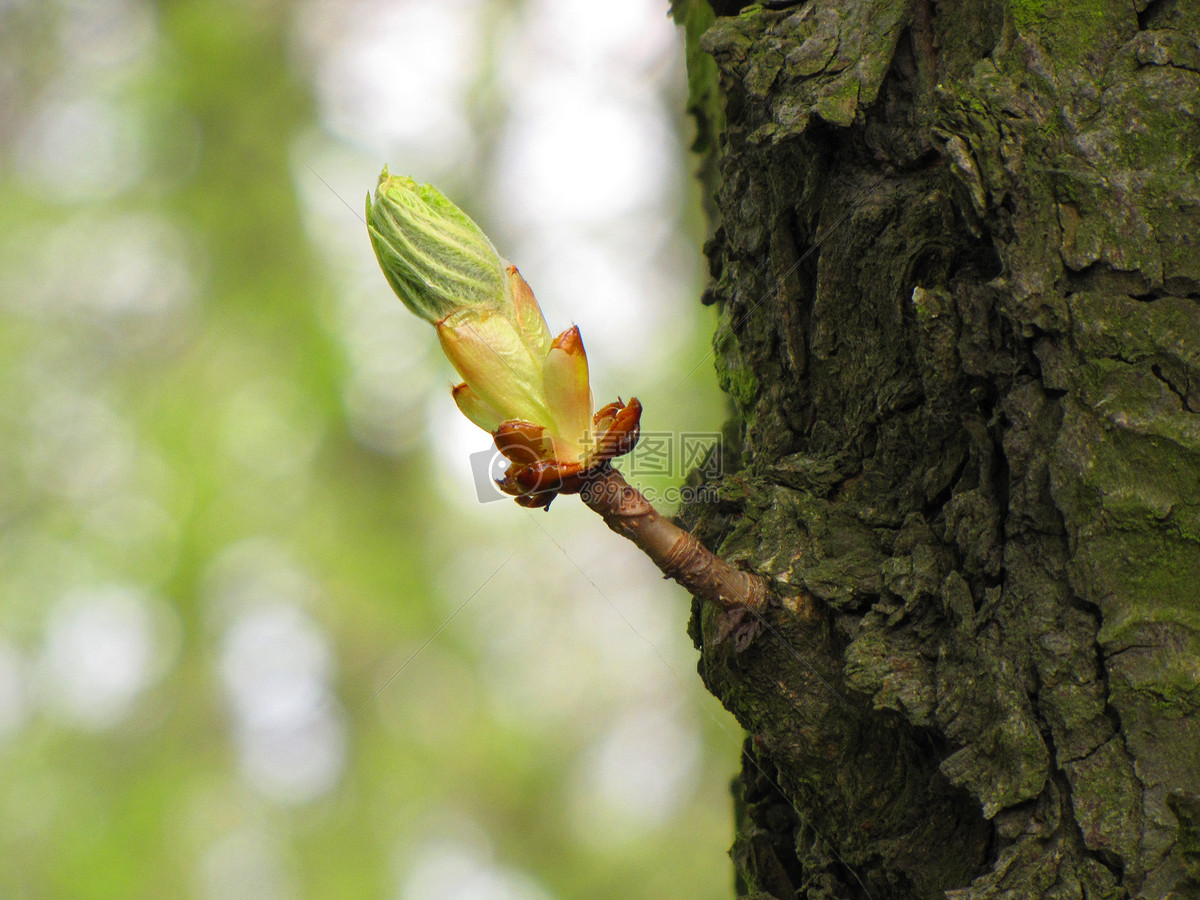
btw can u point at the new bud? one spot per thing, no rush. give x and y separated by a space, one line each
529 389
435 258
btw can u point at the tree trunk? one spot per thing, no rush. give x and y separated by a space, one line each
958 275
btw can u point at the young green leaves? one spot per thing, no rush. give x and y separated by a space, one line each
530 390
435 258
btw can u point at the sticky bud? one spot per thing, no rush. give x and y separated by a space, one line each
530 390
435 258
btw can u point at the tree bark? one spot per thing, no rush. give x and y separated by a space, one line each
957 267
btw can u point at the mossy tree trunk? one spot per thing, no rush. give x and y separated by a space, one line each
957 263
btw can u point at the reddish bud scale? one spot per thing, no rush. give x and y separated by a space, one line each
535 478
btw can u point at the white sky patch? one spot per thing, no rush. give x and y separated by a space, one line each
104 647
393 76
100 143
573 156
465 458
587 142
277 666
587 283
624 42
588 175
289 731
639 774
452 870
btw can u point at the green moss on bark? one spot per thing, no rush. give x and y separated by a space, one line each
969 431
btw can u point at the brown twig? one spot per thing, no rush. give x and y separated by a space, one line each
676 552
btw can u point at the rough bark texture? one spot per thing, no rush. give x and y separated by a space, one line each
968 424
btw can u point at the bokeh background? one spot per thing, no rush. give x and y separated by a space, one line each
259 638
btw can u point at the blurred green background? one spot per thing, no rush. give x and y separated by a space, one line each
259 638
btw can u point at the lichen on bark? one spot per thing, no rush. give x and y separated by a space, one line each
957 271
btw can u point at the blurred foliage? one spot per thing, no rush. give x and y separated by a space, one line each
212 586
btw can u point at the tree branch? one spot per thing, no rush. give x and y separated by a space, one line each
677 553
